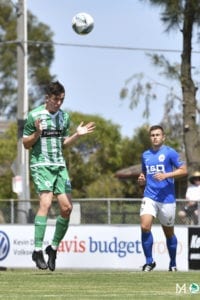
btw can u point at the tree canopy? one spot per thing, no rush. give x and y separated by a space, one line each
40 57
183 16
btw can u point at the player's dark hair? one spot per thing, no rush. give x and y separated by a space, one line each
54 88
154 127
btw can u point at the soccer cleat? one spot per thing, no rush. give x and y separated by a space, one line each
52 258
172 269
149 267
38 258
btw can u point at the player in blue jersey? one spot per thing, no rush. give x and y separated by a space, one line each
46 132
160 165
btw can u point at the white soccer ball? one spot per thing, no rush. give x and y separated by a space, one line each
82 23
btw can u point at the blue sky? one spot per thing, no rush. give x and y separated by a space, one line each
94 77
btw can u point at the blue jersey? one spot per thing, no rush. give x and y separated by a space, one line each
163 160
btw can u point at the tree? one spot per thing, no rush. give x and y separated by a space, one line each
94 155
183 15
8 152
39 61
133 148
106 186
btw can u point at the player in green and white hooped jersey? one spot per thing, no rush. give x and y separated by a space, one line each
46 131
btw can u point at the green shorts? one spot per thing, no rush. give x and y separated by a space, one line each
51 178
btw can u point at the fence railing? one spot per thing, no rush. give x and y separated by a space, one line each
93 211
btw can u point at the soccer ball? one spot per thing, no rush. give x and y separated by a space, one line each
82 23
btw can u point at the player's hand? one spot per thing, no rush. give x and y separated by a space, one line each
38 126
141 179
159 176
84 129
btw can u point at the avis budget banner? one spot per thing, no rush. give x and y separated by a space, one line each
91 247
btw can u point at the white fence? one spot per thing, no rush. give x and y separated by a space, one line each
87 211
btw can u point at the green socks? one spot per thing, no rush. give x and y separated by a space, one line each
61 228
40 227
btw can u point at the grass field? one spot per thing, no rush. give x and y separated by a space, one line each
81 284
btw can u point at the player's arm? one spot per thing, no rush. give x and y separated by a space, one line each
180 168
179 172
81 130
29 141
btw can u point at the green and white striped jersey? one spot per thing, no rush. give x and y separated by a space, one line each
48 148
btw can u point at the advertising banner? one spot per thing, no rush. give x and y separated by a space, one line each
91 246
194 248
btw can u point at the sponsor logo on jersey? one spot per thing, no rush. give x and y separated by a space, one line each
161 157
51 133
160 168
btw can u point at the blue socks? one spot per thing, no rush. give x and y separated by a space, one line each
147 244
172 246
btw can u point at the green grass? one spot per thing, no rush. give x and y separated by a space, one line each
87 285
